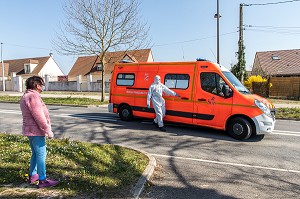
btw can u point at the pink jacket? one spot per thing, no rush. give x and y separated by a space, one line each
36 120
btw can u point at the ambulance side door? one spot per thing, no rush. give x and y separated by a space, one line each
211 107
179 78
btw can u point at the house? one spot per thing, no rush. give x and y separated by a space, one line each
5 71
280 63
34 66
282 67
92 65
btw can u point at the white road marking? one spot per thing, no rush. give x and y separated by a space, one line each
288 133
228 163
85 117
79 116
293 132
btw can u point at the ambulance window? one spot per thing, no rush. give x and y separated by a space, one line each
125 79
212 83
179 81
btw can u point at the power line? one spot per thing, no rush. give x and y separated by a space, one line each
273 31
187 41
271 27
22 46
271 3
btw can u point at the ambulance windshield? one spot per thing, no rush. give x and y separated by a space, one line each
235 82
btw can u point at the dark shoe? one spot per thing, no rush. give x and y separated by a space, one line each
47 183
33 178
156 125
162 129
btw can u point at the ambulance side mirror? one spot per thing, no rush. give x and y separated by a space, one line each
226 90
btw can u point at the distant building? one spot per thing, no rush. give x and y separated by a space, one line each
280 63
92 65
34 66
6 74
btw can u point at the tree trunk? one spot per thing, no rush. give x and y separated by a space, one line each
103 84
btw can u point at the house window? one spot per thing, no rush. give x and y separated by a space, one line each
27 68
99 67
125 79
275 57
180 81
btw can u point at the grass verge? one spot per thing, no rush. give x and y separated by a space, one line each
282 101
85 170
288 113
59 101
72 93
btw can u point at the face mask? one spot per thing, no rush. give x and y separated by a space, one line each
43 88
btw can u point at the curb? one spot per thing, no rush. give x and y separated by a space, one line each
139 186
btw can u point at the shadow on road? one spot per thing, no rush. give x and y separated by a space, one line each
108 128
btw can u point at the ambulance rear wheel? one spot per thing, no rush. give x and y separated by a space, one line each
125 113
239 128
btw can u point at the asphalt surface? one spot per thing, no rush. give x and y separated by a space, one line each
192 162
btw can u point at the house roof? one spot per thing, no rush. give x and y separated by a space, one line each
17 65
88 64
6 68
280 62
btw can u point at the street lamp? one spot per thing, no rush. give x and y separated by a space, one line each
217 16
3 80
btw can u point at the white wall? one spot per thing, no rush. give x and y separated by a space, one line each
51 69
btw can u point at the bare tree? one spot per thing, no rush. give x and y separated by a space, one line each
95 27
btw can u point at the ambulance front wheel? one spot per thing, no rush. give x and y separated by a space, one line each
239 128
125 113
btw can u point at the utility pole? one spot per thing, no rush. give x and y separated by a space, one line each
239 68
3 80
218 32
241 41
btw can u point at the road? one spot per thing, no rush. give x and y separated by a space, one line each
193 162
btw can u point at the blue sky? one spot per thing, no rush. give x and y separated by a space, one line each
180 30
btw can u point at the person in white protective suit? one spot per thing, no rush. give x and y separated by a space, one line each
155 94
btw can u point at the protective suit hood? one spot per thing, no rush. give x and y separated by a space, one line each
156 79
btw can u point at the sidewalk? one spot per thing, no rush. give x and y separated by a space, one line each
58 95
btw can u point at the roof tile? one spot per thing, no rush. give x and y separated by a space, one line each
287 64
88 64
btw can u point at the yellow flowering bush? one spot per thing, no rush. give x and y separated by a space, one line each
255 78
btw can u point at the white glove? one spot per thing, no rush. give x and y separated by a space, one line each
50 135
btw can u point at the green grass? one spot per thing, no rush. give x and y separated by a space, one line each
282 101
288 113
60 101
85 170
73 93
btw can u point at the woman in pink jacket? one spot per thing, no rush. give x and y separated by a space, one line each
36 126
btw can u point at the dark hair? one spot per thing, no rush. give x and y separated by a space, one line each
33 81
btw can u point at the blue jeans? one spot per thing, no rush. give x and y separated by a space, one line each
38 156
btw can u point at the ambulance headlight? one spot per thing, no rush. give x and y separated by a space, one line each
263 107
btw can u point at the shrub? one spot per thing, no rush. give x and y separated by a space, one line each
255 78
